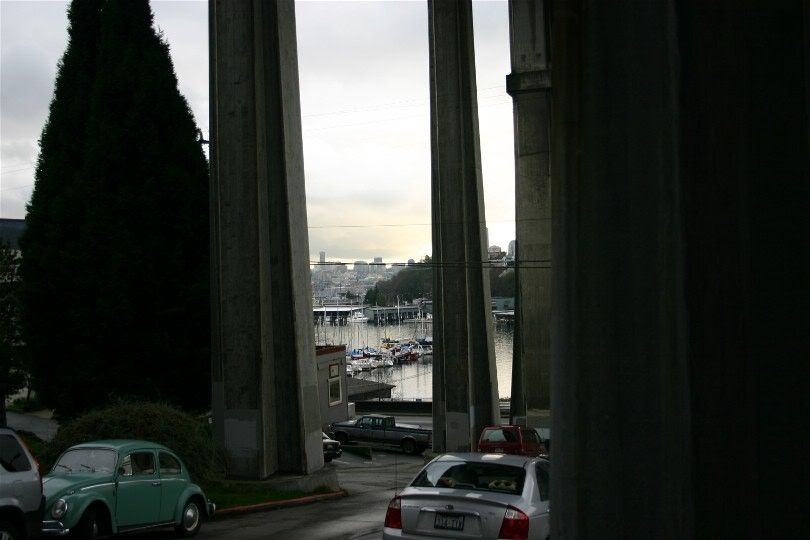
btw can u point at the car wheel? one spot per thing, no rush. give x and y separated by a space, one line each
88 527
190 519
327 459
408 446
341 437
8 531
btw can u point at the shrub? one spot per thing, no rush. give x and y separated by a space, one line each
25 405
186 435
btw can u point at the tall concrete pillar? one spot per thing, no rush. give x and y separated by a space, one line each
265 399
620 393
681 276
529 84
464 378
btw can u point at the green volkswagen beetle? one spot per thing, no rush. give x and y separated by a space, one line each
107 487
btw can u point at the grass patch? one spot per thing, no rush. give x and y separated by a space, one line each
228 494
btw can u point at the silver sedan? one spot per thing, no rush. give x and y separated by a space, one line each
473 496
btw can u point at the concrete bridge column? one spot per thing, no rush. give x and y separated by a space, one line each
681 280
465 395
620 373
265 399
529 84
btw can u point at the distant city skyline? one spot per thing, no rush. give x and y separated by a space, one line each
365 114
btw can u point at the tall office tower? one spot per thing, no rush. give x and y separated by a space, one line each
323 257
510 251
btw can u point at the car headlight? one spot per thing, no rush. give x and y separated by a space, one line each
59 509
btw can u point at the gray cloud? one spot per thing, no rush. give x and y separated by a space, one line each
363 70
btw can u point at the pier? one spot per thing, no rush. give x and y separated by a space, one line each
339 315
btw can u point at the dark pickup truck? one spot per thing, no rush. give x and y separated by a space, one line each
381 430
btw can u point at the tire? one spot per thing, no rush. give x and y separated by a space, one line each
341 437
327 459
9 532
88 527
190 519
408 446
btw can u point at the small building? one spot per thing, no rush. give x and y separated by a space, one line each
332 389
10 232
361 268
495 253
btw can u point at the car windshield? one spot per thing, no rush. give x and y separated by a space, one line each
472 475
86 460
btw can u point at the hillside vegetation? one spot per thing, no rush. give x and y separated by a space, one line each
417 282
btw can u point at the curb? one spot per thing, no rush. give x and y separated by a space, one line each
272 505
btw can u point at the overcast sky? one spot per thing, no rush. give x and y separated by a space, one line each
364 100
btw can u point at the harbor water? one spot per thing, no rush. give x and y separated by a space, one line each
412 380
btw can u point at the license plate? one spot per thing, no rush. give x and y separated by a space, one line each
498 451
451 522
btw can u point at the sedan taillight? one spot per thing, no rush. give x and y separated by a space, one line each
393 516
515 525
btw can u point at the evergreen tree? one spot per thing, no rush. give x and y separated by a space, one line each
13 370
417 282
52 301
141 262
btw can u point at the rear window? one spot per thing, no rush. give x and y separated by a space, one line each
499 435
12 456
472 476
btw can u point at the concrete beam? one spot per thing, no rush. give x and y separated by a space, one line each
265 398
464 376
530 87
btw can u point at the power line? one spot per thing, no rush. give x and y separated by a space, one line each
526 263
402 103
17 170
31 163
394 119
370 225
17 187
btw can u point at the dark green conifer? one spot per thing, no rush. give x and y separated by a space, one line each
52 302
141 265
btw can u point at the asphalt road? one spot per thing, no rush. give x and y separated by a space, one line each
358 516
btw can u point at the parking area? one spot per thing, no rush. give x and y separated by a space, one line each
370 484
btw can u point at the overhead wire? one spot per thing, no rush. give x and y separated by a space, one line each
526 263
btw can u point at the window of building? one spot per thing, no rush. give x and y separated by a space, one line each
335 391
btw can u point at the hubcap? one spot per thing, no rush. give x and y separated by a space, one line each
94 529
4 535
191 517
